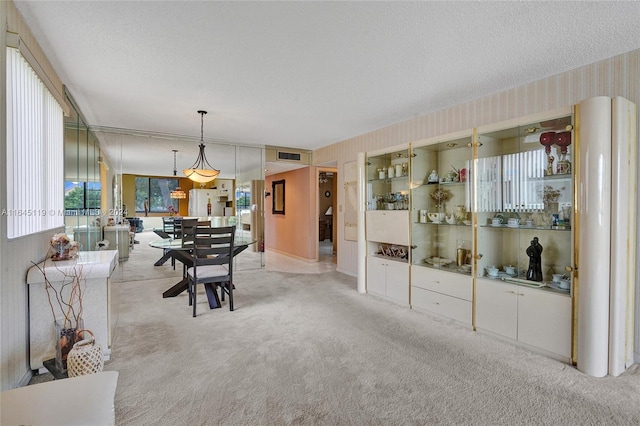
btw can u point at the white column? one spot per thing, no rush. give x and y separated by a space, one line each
594 201
623 235
362 243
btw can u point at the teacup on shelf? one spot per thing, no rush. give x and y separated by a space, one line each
513 222
565 284
492 271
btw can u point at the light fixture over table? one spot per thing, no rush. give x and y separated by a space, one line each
201 171
178 192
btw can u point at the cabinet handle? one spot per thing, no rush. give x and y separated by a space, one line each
478 144
469 145
478 256
414 246
512 292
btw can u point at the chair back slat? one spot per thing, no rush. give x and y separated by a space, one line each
213 245
186 231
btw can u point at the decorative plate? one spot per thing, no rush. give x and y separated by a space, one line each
438 261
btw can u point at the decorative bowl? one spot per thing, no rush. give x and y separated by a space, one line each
436 217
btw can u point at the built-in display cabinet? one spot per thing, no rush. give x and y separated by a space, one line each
482 226
387 225
524 240
441 226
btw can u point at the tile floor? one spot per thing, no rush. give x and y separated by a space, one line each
280 262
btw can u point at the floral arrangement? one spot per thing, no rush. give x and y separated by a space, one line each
550 194
63 248
172 210
440 196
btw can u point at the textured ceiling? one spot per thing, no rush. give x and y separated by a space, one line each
307 74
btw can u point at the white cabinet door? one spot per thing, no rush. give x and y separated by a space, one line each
376 271
544 320
388 226
398 281
497 308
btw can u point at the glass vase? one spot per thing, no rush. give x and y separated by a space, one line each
67 333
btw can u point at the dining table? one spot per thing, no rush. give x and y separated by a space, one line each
173 249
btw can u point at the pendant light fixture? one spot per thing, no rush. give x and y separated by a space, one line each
201 171
178 192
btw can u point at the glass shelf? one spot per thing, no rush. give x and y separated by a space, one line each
524 228
395 178
442 224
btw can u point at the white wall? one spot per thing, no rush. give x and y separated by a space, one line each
16 255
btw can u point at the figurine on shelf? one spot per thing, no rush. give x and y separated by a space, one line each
550 160
534 251
547 139
563 140
433 177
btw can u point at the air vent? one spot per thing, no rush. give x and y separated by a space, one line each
292 156
287 155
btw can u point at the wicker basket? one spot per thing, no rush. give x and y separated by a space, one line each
85 357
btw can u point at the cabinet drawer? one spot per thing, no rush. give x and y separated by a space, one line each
388 226
448 283
446 306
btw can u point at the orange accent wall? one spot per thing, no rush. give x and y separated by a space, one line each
295 232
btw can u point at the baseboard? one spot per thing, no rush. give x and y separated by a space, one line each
350 273
26 379
293 256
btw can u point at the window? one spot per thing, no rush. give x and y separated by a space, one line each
156 191
82 198
35 160
243 199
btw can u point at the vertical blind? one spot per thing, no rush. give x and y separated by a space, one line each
35 156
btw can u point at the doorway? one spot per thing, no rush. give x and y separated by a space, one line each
326 210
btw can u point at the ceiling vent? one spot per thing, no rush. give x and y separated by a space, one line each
274 154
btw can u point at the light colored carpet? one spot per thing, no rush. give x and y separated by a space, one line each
308 349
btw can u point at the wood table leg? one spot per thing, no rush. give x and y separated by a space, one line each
176 289
212 296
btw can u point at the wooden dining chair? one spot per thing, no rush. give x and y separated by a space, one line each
187 242
212 264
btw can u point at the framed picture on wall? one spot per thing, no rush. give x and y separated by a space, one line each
277 191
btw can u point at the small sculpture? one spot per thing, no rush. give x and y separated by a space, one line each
433 177
534 251
549 170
